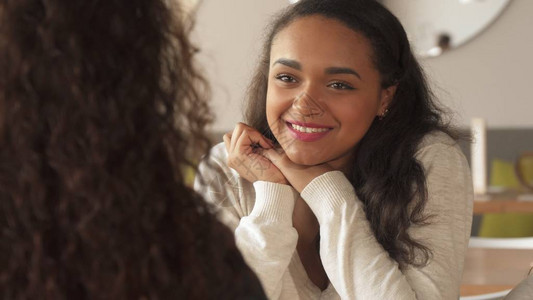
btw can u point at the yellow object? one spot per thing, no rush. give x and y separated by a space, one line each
503 174
189 175
524 169
506 224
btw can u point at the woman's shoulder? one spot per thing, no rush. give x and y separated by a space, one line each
438 144
218 153
222 186
214 161
437 137
214 164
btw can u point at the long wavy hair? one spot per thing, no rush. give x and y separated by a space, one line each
385 174
100 104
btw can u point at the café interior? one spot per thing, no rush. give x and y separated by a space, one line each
477 55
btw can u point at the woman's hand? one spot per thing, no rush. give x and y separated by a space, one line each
245 148
299 176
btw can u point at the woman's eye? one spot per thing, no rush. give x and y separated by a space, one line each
341 86
285 78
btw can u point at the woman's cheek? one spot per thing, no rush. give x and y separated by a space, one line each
277 103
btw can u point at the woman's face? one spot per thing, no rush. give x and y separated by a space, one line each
323 91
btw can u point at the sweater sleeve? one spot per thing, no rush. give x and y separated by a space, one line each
356 263
263 228
266 237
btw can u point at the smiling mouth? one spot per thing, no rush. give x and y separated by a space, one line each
304 129
307 132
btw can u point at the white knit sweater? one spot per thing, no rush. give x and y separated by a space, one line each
356 264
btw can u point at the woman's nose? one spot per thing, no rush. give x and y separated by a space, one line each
307 105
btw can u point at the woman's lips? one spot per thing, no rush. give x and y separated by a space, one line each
307 132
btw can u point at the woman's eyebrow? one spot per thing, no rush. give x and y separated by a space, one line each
331 70
289 63
341 70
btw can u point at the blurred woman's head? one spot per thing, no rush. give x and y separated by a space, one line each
102 106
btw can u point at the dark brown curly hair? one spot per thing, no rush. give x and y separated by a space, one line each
100 104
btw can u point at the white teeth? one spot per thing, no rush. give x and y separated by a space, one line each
308 129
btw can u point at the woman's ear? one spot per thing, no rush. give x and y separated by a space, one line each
387 94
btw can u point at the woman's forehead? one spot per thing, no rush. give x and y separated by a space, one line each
317 37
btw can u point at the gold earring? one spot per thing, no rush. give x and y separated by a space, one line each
384 114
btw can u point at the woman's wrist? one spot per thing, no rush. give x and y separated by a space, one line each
274 201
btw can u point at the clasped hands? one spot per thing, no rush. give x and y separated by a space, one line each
256 158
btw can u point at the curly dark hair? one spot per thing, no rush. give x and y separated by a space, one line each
100 104
385 174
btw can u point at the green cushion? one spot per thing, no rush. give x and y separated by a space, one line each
505 224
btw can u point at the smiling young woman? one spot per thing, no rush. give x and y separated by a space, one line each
324 88
345 181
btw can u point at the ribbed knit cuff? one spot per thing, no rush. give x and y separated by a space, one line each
327 192
274 202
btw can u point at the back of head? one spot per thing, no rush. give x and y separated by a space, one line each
100 107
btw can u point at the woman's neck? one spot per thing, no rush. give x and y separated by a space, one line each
306 224
344 163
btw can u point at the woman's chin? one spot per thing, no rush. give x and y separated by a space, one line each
303 159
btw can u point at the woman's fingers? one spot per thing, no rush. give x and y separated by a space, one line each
245 146
274 155
235 136
227 141
254 139
297 175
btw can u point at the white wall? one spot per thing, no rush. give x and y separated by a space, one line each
491 76
229 34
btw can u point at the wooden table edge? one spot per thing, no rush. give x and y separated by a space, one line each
479 289
502 206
